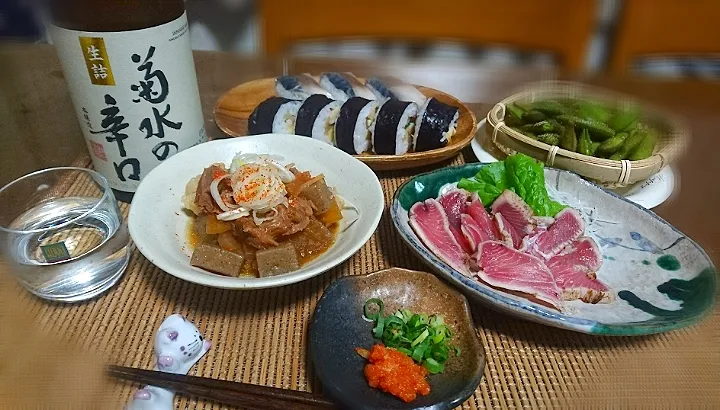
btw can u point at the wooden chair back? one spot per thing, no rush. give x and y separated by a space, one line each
665 28
562 27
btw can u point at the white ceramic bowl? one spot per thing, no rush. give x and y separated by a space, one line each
158 223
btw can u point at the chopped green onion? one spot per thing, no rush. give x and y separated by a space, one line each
420 338
366 308
423 337
433 366
404 351
419 353
378 330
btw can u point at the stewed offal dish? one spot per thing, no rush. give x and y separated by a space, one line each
258 217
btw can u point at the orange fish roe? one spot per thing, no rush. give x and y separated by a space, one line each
396 373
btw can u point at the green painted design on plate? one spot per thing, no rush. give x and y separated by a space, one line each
646 262
428 185
668 262
695 295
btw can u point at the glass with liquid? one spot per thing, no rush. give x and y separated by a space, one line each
62 234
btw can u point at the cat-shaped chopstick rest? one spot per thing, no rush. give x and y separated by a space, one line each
178 346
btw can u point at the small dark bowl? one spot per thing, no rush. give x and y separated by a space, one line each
338 327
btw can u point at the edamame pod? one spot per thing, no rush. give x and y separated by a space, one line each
623 119
644 149
549 138
611 145
569 139
598 129
531 117
550 107
629 145
584 143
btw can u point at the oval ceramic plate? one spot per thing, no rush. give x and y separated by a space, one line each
158 224
648 193
338 327
235 106
662 278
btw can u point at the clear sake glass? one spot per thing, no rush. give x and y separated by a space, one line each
62 234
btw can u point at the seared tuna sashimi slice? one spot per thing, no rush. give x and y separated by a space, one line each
504 267
454 203
431 225
515 211
574 271
508 234
472 231
568 226
477 211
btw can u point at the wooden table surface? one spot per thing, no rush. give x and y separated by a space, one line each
38 129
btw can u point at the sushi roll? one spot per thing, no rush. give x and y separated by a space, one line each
390 87
316 118
276 114
353 130
394 127
342 87
437 124
298 87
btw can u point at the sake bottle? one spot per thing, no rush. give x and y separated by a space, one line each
130 71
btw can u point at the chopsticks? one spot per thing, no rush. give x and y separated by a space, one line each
226 392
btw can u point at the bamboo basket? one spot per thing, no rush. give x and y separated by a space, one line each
673 139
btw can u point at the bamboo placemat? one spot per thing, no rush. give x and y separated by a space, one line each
260 337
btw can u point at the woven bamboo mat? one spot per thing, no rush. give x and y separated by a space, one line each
260 337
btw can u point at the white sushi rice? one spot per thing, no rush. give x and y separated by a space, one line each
364 125
324 126
447 135
284 121
406 129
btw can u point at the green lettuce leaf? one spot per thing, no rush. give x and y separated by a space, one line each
489 182
527 178
487 192
518 173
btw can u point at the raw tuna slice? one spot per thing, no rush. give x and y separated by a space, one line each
488 230
515 211
507 268
472 231
508 234
454 203
568 226
430 223
574 271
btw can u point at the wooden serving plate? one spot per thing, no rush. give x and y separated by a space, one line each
235 106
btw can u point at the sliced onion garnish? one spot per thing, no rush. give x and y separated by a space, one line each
233 214
256 187
215 192
271 161
260 219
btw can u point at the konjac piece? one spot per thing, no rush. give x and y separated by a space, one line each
216 260
277 260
